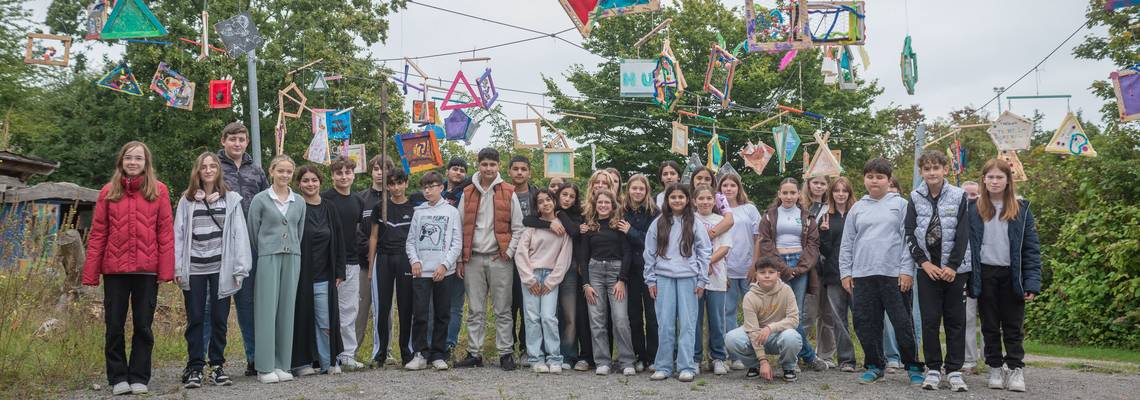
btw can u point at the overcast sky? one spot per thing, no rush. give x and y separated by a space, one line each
965 48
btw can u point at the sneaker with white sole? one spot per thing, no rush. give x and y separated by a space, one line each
847 367
565 366
418 362
121 388
556 368
659 376
439 365
629 371
957 384
818 364
686 376
218 377
602 370
737 365
139 388
335 370
582 365
639 366
932 381
192 379
539 368
1016 380
350 363
304 371
719 368
997 378
283 376
893 366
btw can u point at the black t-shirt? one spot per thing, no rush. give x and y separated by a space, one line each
394 232
348 208
316 241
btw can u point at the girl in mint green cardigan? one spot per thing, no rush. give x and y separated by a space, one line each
276 222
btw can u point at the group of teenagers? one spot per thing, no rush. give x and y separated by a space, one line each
606 277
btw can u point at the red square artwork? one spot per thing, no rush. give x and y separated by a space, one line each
221 93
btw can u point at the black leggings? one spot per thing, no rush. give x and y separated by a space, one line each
393 275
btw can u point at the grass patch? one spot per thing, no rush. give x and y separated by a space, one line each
1085 352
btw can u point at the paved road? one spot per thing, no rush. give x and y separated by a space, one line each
492 383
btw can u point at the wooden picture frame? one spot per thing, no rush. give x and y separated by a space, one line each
519 144
1126 85
293 93
831 12
37 54
680 140
558 163
721 60
787 30
176 91
419 151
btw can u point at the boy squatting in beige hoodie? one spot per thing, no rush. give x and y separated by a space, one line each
774 308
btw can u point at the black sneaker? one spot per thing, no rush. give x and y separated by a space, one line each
752 373
470 361
218 377
192 379
790 375
250 370
507 362
378 361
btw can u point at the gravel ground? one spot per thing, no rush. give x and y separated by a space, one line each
491 382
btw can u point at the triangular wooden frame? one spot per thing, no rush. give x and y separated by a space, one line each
113 29
447 105
126 82
1070 139
1015 166
293 93
824 163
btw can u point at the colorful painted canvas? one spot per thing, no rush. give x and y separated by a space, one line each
419 151
718 76
757 156
837 22
175 89
357 154
221 93
781 26
339 124
1011 132
46 49
558 163
487 92
97 14
318 150
424 112
615 8
1071 138
716 152
680 143
120 79
1126 84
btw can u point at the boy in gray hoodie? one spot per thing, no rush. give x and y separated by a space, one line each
433 246
877 270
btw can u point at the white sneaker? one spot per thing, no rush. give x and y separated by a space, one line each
439 365
581 365
602 370
933 379
418 362
350 363
738 365
659 376
686 376
957 384
997 378
540 368
563 366
121 388
556 368
304 371
719 368
268 378
639 366
1017 380
629 371
335 370
283 376
138 388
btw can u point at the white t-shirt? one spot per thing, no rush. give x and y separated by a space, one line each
789 227
718 277
746 225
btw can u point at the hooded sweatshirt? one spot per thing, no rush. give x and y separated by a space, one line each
236 257
673 265
434 238
874 241
773 308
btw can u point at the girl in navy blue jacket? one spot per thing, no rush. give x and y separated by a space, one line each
1006 257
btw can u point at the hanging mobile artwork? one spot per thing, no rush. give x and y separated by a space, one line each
457 126
424 112
757 156
419 151
279 134
908 62
1015 166
716 152
522 140
680 142
221 93
1126 84
1071 138
339 124
318 150
239 34
781 28
668 79
131 19
585 13
46 49
120 79
723 64
844 21
175 89
824 163
319 84
787 142
97 14
846 69
449 105
1011 132
487 92
558 158
293 93
358 155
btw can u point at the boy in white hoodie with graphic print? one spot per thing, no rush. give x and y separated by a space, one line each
433 246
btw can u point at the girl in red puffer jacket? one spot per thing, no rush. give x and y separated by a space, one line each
132 245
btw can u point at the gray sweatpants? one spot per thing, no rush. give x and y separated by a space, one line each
603 277
484 276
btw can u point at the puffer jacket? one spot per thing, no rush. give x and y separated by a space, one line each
131 236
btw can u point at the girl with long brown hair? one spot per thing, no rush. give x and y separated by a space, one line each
606 271
840 198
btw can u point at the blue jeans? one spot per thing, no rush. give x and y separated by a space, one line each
243 303
737 288
799 287
676 301
785 344
890 345
321 317
712 305
540 315
457 292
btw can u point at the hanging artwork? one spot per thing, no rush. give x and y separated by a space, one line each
837 22
436 130
527 140
97 14
357 154
846 75
584 13
829 66
279 134
725 169
1015 166
120 79
1070 138
131 19
558 163
424 112
449 105
175 89
780 28
319 84
456 125
636 77
908 62
787 142
239 34
487 92
723 65
318 150
615 8
1011 132
716 152
824 163
1110 5
691 165
668 79
339 124
47 49
680 143
294 95
1126 84
221 93
757 156
419 151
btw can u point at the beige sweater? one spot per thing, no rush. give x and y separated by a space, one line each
775 309
542 248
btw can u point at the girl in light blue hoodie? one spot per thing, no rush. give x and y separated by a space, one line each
676 277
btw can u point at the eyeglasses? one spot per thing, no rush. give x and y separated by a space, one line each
433 186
